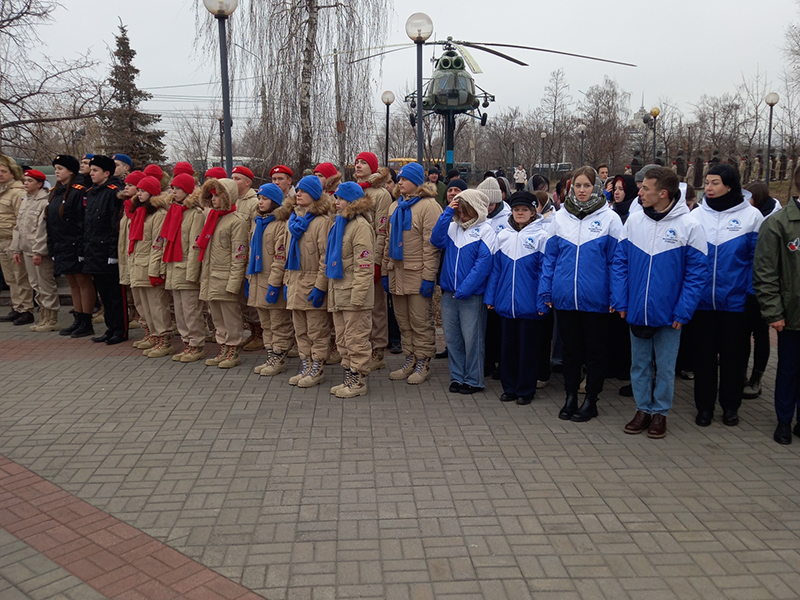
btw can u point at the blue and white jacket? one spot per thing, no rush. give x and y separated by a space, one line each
660 268
576 274
731 235
514 282
500 220
467 260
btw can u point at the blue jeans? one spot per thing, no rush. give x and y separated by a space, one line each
655 400
464 324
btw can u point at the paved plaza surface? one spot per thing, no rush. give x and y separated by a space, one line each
135 478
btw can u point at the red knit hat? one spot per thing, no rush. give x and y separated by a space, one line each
326 170
280 169
154 171
184 181
216 173
370 159
34 174
183 167
242 170
134 177
150 185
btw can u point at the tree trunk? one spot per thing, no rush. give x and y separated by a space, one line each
306 135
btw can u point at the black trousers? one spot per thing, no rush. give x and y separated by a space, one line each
584 337
685 361
759 329
545 346
721 347
787 381
520 356
492 342
394 328
619 348
114 302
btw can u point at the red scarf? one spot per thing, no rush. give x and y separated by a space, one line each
209 227
137 226
365 185
171 232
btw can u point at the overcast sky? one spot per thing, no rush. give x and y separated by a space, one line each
683 50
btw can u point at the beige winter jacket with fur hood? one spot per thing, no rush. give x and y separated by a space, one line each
420 257
225 260
145 262
248 205
11 195
312 257
383 206
273 258
356 289
185 275
122 244
30 232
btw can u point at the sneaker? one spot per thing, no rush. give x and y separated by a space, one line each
406 370
542 384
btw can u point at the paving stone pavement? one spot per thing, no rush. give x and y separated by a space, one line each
410 493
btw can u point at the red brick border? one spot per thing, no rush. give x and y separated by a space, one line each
117 560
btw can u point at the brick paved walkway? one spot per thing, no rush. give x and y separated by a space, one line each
411 493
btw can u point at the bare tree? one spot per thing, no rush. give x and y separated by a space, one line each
296 40
605 113
34 92
554 113
194 137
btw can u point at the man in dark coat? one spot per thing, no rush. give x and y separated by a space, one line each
101 231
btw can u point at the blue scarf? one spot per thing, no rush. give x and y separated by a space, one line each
256 264
333 254
297 227
400 221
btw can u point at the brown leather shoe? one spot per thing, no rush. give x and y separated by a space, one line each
658 427
640 422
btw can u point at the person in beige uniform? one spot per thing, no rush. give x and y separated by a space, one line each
11 194
265 272
181 230
351 285
223 254
306 282
29 245
135 320
373 180
147 270
410 265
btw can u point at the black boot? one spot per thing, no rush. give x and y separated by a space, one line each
74 326
570 406
587 411
85 328
10 317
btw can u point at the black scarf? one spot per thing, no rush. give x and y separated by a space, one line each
657 216
767 207
623 208
496 210
724 202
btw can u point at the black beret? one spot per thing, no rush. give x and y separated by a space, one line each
70 163
523 199
106 163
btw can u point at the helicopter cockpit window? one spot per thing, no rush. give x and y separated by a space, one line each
462 83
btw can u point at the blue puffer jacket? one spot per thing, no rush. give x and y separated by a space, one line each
732 235
576 274
514 282
660 268
467 260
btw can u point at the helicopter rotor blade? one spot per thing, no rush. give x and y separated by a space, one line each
343 52
490 51
615 62
471 62
350 62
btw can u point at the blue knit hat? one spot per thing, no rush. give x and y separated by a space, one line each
271 191
349 190
413 172
312 185
123 158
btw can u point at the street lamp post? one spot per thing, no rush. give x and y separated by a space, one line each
582 129
654 112
221 119
222 9
387 98
543 135
771 100
419 28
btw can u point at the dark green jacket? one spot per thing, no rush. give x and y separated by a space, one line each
441 194
776 268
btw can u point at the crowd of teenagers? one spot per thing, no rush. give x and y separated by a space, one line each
624 276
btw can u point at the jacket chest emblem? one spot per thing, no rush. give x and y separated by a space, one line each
364 254
474 233
794 244
529 244
671 236
734 225
595 227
